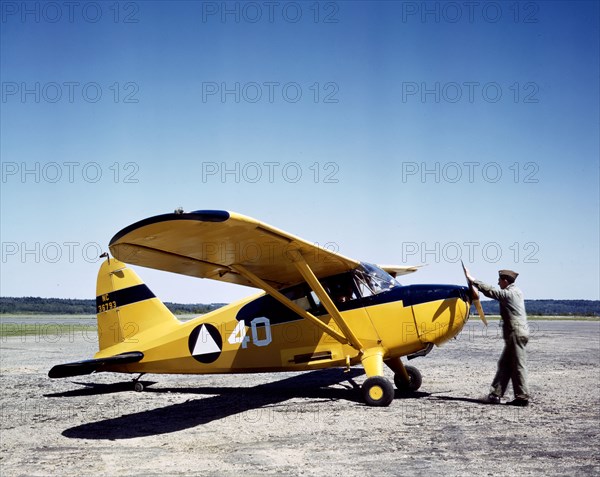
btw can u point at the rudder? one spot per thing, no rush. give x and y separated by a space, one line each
125 306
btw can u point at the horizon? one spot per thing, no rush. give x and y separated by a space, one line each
483 299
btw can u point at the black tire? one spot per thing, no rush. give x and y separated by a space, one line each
414 383
138 387
377 391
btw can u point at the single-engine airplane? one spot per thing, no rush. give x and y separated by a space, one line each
318 309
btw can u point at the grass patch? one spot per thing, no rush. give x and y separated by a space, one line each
562 318
50 331
26 325
546 317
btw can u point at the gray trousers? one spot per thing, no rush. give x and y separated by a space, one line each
512 366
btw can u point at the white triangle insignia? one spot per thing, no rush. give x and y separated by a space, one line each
205 343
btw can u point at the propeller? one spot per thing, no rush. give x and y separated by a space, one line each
474 296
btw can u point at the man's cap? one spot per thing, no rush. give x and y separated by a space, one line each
508 273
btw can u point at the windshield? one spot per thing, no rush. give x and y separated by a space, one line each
365 281
372 280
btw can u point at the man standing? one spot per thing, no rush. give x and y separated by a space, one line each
512 365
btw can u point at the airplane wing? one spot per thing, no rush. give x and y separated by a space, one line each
398 270
215 244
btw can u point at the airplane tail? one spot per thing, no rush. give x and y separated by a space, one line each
125 307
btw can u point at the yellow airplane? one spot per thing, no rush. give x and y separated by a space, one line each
318 309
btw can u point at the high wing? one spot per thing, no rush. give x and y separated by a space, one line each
398 270
223 246
231 247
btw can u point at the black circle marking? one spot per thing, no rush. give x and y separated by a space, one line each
210 337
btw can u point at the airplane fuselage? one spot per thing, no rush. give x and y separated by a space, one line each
260 334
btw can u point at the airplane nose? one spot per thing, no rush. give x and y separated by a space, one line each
440 311
418 294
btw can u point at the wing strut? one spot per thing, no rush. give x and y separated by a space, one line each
316 286
289 303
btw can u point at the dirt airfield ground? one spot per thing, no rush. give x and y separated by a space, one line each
305 423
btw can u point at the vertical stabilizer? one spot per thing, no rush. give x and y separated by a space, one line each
126 307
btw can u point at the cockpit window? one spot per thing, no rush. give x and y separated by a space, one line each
300 295
364 281
372 280
340 288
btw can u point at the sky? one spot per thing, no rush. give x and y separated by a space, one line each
392 132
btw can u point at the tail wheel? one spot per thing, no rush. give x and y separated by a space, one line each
377 391
414 382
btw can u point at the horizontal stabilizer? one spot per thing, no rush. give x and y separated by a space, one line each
88 366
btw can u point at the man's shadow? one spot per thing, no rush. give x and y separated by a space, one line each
461 399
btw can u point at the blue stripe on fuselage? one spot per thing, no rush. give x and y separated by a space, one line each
410 295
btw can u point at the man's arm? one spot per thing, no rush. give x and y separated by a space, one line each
487 290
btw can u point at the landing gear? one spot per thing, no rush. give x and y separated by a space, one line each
414 380
377 391
137 385
406 378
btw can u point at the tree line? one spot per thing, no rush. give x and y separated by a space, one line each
72 306
550 307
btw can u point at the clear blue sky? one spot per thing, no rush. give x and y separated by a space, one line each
402 132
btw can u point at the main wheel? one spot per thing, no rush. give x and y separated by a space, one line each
139 387
414 383
377 391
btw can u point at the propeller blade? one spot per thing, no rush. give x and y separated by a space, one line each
474 296
480 311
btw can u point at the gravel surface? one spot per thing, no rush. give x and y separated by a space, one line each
311 423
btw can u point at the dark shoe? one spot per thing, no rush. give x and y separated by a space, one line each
519 402
493 399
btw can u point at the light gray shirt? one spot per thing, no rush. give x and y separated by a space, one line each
512 308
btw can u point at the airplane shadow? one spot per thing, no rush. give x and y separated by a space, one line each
411 395
226 402
92 389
